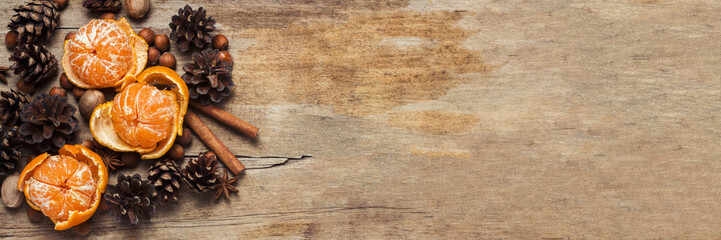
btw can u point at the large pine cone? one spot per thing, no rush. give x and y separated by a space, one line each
201 173
209 78
165 176
131 197
9 154
102 5
48 122
34 63
191 27
35 21
11 104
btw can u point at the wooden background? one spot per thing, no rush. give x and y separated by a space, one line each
516 119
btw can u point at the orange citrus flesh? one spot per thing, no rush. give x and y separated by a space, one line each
103 53
142 118
66 187
100 53
143 115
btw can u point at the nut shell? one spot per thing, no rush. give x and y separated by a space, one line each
58 91
162 42
11 38
153 55
225 56
147 34
107 15
137 8
89 101
220 42
65 82
186 139
26 86
176 152
78 92
11 196
167 60
69 36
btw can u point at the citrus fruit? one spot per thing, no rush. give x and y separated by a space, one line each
146 116
67 187
103 53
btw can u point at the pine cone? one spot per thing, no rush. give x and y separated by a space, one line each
9 154
201 173
35 21
191 27
102 5
48 122
131 197
165 176
209 78
11 103
33 63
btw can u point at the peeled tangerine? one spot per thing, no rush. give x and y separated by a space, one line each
146 116
104 53
67 187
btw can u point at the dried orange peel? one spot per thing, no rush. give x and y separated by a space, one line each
67 187
103 54
105 130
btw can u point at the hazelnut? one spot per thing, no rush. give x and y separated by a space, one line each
107 15
12 198
103 205
78 92
84 228
225 56
69 36
153 55
35 215
167 60
147 34
162 42
89 101
176 152
220 42
61 3
186 139
26 86
65 82
88 144
11 38
58 91
137 8
130 159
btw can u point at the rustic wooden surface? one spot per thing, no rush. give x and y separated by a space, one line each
453 119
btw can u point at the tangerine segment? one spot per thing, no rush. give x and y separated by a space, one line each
61 185
100 53
143 115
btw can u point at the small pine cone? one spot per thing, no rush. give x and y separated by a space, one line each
34 63
48 122
165 176
11 105
9 154
102 5
191 27
131 197
35 21
208 77
201 173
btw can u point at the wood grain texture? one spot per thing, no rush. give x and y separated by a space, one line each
453 119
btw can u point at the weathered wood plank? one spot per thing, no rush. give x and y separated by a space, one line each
454 119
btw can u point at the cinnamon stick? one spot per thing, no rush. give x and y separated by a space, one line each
227 119
213 143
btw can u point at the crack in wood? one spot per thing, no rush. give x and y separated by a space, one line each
265 162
